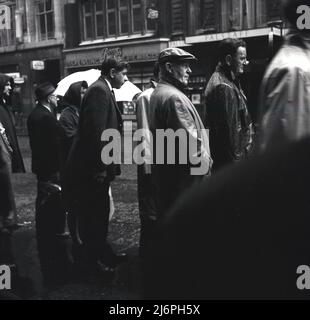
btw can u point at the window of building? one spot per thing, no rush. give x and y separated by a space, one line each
7 36
243 14
45 19
112 18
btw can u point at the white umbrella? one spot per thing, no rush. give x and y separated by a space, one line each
127 92
90 76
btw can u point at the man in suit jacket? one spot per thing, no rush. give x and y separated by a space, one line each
45 134
88 179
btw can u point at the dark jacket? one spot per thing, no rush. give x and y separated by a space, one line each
172 110
99 112
45 134
285 99
6 118
69 118
241 234
8 216
231 129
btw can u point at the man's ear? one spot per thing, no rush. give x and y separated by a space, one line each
168 67
112 73
228 59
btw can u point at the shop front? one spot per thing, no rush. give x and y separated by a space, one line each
29 68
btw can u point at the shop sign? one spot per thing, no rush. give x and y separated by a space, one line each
37 65
16 77
88 58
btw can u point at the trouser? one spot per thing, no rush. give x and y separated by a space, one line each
93 223
52 243
6 248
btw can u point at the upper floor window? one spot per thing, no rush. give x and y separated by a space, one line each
245 14
45 19
113 18
7 35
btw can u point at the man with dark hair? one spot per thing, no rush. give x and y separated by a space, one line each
6 118
44 136
231 129
87 178
285 98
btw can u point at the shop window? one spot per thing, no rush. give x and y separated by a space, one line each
45 19
112 18
7 36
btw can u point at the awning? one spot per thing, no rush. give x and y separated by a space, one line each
213 37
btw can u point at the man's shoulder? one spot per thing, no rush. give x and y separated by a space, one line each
289 60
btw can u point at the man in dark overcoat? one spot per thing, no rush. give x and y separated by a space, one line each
6 118
45 134
88 178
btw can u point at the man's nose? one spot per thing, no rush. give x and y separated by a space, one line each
189 70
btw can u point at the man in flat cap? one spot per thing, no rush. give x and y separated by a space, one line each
182 159
231 129
45 134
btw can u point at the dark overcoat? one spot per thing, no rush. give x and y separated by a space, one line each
45 135
99 112
6 118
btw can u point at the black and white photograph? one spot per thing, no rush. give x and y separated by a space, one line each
154 150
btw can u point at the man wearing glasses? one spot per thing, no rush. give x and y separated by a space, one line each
44 134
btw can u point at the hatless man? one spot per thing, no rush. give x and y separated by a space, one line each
44 135
88 178
285 96
172 113
6 118
231 129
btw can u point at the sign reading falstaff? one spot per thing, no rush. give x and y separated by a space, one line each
5 17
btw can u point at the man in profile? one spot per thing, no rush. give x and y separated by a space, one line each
88 179
231 129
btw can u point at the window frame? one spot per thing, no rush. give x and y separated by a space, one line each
8 37
114 12
40 35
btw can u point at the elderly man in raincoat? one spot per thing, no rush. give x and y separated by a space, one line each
285 92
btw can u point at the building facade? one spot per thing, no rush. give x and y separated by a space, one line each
199 26
49 39
31 49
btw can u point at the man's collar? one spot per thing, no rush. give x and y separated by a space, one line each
109 83
46 107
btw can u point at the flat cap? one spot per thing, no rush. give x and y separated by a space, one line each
44 90
174 54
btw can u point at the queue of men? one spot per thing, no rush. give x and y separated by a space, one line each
203 230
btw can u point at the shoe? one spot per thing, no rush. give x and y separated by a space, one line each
116 259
